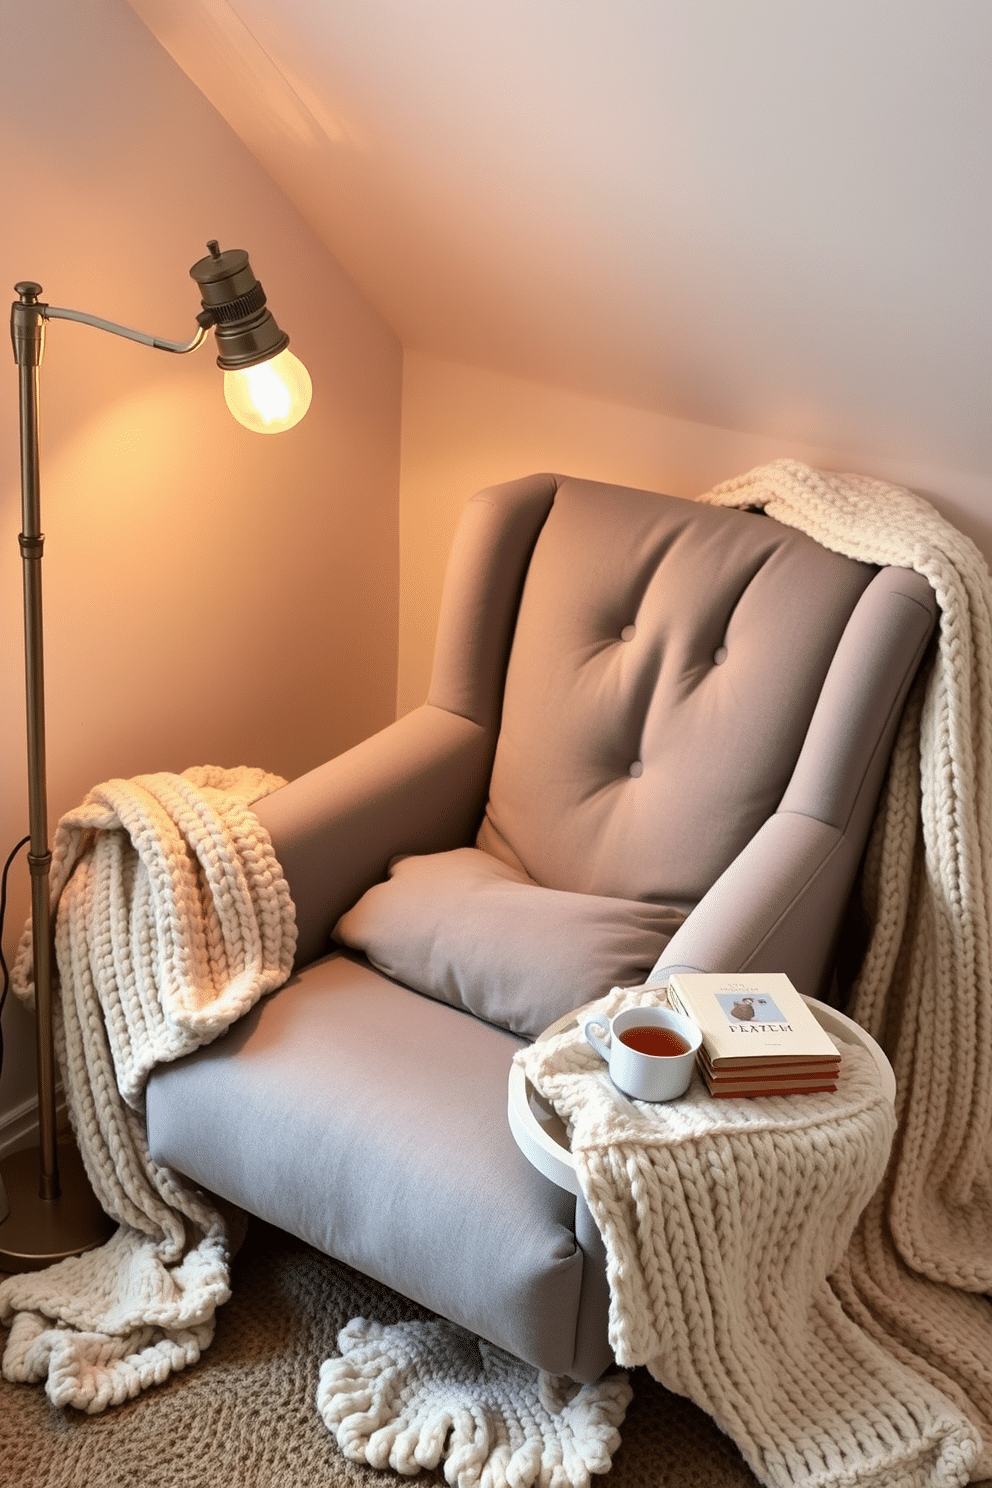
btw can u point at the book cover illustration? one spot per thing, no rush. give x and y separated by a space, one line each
749 1007
755 1018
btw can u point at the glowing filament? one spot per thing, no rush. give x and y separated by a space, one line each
271 396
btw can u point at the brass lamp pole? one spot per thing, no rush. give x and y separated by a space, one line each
48 1211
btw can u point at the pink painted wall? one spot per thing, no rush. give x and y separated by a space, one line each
468 427
211 596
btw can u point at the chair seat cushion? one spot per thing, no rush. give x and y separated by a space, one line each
371 1122
472 931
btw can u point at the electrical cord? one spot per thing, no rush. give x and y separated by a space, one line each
3 915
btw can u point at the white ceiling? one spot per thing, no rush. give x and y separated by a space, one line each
772 215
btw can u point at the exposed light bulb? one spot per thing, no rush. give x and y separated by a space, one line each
270 396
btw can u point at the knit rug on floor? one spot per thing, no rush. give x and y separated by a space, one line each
414 1394
245 1415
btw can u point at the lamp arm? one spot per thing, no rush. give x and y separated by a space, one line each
53 312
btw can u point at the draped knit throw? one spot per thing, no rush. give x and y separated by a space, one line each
915 1330
722 1222
917 1275
174 918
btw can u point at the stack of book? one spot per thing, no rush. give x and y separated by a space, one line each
759 1036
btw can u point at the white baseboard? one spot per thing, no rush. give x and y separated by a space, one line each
19 1127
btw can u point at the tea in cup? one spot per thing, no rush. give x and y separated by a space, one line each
650 1053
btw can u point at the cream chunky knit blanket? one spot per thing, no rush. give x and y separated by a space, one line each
912 1279
722 1222
173 919
918 1272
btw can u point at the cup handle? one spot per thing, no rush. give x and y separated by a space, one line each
587 1028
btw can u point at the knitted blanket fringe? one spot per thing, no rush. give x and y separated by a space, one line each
174 918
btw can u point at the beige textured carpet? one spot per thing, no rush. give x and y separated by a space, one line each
245 1417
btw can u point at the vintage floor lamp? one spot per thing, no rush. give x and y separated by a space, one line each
47 1209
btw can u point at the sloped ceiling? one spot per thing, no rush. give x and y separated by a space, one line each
769 215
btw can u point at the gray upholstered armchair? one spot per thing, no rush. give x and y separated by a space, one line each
655 736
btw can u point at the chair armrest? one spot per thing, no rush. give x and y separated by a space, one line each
417 786
776 908
846 750
779 905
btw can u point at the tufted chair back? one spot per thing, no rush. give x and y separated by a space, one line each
666 661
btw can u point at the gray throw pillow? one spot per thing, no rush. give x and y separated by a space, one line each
467 929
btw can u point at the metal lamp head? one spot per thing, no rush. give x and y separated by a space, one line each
267 389
234 304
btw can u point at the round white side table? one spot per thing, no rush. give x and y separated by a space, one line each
540 1133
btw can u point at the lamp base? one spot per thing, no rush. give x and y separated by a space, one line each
38 1232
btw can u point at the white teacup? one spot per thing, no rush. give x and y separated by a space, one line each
633 1034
